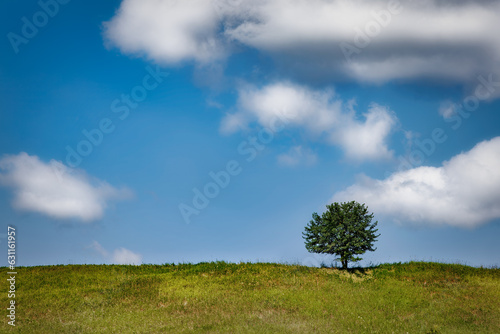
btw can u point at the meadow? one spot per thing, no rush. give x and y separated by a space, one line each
220 297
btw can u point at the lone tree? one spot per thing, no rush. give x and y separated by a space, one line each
345 230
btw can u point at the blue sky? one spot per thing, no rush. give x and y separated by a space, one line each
293 104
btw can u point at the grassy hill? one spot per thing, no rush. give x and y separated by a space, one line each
220 297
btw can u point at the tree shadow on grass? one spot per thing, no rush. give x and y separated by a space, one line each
357 270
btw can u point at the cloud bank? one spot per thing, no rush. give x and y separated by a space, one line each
320 113
464 191
55 190
363 40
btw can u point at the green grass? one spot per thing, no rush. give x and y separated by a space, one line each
415 297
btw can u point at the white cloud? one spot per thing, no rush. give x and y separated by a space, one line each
125 256
56 190
447 109
119 256
298 155
321 113
464 191
233 122
452 40
99 249
367 140
317 111
167 31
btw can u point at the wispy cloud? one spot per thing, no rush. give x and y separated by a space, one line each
447 109
118 256
464 191
56 190
125 256
99 249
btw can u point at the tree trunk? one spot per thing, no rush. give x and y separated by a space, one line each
344 264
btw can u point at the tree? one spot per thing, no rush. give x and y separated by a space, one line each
345 230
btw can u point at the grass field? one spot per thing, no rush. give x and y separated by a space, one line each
415 297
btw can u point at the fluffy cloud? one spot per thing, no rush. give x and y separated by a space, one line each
56 190
118 256
464 191
367 140
317 111
364 40
321 113
166 31
298 155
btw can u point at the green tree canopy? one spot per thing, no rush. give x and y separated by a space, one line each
345 230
